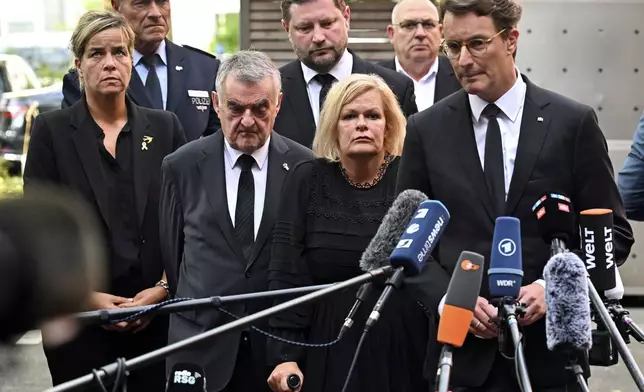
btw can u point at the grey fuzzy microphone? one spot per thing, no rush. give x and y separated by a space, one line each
392 227
568 322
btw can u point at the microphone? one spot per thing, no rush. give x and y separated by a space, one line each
415 246
596 227
568 320
460 301
555 221
376 255
505 276
51 259
568 323
186 377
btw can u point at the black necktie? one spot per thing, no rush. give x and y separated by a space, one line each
152 84
326 80
493 166
245 209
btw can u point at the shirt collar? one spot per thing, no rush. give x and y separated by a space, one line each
510 103
340 71
259 155
433 70
137 56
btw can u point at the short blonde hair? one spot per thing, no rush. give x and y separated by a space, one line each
94 22
325 143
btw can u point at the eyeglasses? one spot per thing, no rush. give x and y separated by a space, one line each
476 46
411 25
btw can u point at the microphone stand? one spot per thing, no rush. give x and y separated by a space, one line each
615 334
624 322
109 371
509 309
105 315
445 368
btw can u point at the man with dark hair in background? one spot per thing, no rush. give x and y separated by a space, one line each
166 76
492 150
415 33
319 33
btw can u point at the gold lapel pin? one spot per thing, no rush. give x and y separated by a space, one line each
146 140
285 166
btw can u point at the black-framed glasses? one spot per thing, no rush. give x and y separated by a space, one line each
411 25
476 46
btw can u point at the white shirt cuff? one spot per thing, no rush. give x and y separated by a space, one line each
541 282
440 306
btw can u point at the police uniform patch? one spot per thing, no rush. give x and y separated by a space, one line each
200 99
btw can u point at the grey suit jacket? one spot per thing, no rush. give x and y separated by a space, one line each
201 255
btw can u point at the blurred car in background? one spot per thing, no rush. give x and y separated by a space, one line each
22 98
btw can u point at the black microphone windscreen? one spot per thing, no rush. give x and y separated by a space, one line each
568 321
555 218
460 299
394 223
596 232
186 377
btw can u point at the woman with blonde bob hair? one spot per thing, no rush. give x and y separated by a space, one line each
331 208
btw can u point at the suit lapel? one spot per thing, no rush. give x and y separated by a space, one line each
465 145
177 70
445 79
534 127
87 146
360 66
144 157
274 181
298 98
213 178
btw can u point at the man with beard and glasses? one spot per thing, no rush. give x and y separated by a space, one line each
218 205
319 33
415 34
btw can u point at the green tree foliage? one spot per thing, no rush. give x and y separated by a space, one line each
10 186
227 33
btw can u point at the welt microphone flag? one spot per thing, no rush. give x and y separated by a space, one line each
460 300
596 232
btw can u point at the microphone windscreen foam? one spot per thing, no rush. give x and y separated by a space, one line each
460 299
568 321
394 223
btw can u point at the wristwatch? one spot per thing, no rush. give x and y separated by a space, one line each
165 286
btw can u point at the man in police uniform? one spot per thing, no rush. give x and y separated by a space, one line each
166 76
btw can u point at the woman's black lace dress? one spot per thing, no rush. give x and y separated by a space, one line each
324 225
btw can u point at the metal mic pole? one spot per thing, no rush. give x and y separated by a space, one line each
510 310
445 368
157 355
626 355
192 304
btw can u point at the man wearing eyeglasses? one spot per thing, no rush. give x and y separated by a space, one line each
415 34
494 149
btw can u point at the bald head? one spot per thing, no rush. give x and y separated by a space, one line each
403 7
415 35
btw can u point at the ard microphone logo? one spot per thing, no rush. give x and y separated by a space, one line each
185 377
414 227
467 265
507 247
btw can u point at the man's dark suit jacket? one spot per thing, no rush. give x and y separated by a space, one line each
561 149
446 81
295 119
201 254
188 69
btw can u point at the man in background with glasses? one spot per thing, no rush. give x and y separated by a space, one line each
493 149
415 34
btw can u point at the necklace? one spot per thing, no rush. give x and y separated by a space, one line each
366 185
